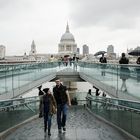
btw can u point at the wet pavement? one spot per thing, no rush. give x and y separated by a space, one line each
81 125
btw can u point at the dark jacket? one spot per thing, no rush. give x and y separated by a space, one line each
60 94
75 59
124 70
49 103
138 60
103 60
124 60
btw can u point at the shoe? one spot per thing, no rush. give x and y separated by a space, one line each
64 129
49 132
45 128
59 130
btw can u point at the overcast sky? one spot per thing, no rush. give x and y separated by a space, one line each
97 23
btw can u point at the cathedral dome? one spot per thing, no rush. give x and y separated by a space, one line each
67 36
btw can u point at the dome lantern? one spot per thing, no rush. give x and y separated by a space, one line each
67 28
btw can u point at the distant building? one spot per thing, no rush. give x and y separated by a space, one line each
32 57
2 52
110 49
85 50
33 48
78 50
67 45
110 52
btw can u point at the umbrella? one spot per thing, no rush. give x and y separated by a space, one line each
66 55
99 53
135 52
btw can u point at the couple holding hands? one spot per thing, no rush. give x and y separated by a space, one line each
58 103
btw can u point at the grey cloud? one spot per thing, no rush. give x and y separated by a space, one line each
13 9
114 14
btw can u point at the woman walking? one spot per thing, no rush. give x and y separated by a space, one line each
49 105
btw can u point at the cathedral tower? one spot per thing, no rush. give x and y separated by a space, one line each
33 48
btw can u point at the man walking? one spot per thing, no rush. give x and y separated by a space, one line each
62 98
75 62
124 71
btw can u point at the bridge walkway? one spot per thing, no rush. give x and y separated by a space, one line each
81 125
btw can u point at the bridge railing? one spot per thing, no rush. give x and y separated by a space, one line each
118 80
15 111
15 76
122 113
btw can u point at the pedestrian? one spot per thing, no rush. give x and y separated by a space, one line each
138 60
97 93
138 69
40 94
59 62
89 91
103 59
49 105
123 59
124 72
70 61
103 94
103 66
62 98
89 98
75 62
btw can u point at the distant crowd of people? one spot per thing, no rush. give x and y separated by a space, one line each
66 60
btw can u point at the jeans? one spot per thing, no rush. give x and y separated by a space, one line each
47 120
61 115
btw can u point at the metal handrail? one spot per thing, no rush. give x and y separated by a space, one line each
5 108
118 106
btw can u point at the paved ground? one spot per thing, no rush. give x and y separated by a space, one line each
81 125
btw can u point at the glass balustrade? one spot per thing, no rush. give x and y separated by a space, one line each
124 114
13 112
16 76
123 80
117 80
